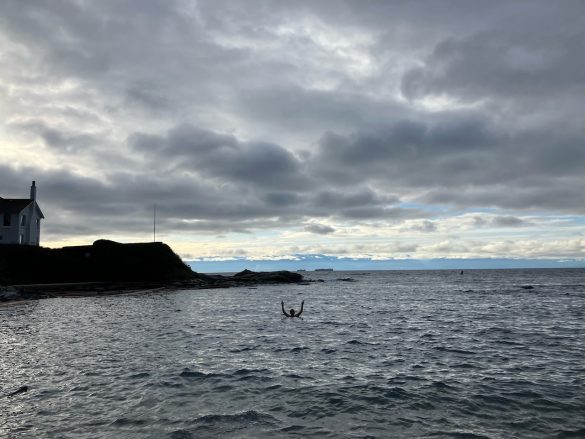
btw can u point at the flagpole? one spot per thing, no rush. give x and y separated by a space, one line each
154 224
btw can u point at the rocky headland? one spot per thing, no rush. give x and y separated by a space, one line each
107 268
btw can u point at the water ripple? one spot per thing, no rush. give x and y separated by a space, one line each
411 354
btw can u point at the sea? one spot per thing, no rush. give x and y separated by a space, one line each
376 354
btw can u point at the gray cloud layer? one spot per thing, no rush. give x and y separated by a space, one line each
239 117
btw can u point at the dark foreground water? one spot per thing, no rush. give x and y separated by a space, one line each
394 354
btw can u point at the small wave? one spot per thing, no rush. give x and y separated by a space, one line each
498 401
459 434
123 422
245 371
223 388
442 385
378 394
295 349
139 375
336 323
181 434
169 384
195 375
273 387
295 376
580 433
509 342
400 379
464 366
252 375
524 394
255 378
454 350
293 429
247 348
494 329
349 378
359 342
80 388
250 417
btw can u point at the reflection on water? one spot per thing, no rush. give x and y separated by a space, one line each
392 354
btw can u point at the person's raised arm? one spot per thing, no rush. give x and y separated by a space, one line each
283 311
301 311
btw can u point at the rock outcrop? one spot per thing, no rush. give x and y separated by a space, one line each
107 268
102 261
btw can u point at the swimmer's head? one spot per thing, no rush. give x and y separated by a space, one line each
292 312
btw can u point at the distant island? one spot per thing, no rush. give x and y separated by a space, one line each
108 267
323 269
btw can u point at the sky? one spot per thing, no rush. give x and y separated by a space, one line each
273 130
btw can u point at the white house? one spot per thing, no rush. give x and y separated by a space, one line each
20 219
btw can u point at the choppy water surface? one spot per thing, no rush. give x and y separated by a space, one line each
394 354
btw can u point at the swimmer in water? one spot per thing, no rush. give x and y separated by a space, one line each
291 313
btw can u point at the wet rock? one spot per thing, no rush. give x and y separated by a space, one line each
268 277
8 294
20 390
246 272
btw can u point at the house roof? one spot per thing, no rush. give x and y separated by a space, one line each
16 205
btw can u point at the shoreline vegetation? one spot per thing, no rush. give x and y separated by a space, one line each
110 268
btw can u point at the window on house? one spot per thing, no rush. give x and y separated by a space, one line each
38 223
23 220
21 239
6 221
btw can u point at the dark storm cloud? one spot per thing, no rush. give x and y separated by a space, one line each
241 116
423 226
123 202
503 63
335 200
509 221
562 195
143 96
60 140
411 153
465 160
499 221
298 109
319 229
224 157
283 198
79 204
181 141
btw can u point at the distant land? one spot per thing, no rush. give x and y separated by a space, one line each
313 262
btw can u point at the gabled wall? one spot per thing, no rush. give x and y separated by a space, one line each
30 231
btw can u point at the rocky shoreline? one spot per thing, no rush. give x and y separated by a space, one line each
109 268
18 293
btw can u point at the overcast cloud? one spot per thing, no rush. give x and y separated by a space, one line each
371 128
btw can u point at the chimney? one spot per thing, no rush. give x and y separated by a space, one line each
33 191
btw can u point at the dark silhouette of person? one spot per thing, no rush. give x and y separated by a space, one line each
291 313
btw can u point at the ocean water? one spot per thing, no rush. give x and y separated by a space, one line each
392 354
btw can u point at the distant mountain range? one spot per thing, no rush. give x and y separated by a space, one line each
313 262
